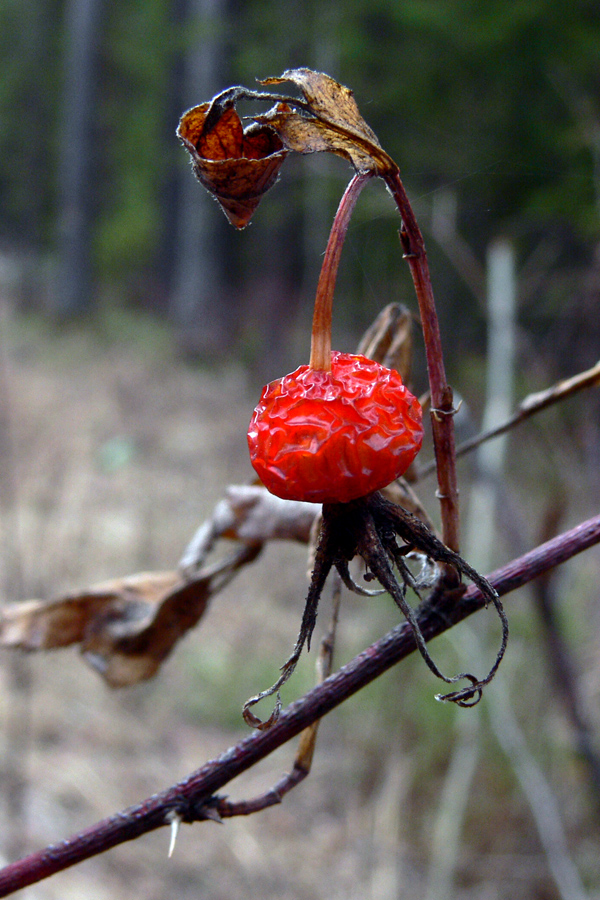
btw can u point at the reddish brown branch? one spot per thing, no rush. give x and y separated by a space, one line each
442 405
192 799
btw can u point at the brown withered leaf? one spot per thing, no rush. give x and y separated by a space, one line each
126 627
236 165
389 340
248 513
330 121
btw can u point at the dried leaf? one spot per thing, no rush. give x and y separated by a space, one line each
389 340
250 514
329 121
126 627
237 165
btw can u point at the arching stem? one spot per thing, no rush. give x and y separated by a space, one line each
320 346
442 406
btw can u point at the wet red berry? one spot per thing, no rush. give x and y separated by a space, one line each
331 437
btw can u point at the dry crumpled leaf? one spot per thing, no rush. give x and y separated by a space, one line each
237 165
330 121
125 627
389 340
250 514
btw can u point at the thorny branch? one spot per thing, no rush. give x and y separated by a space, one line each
193 799
442 405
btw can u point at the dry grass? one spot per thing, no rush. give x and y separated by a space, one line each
118 451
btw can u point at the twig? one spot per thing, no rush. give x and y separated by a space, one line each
532 404
561 665
442 406
306 746
537 792
457 249
189 798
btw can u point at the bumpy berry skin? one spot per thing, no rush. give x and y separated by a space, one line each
331 437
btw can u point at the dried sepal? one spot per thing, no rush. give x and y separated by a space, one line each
389 340
235 164
382 534
238 165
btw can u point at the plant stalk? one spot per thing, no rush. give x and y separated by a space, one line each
320 345
442 406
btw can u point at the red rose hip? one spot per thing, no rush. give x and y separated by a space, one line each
334 436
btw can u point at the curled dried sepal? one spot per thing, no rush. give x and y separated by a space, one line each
236 164
389 340
370 528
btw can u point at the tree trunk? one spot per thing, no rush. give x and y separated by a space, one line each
74 286
198 304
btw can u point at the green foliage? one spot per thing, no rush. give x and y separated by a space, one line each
139 53
494 92
29 50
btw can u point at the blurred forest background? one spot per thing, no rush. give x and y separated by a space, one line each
490 109
136 326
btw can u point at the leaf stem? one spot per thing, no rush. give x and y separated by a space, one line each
320 345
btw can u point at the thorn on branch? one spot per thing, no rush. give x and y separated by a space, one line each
440 413
174 819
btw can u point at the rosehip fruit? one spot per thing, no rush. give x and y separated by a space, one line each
331 437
